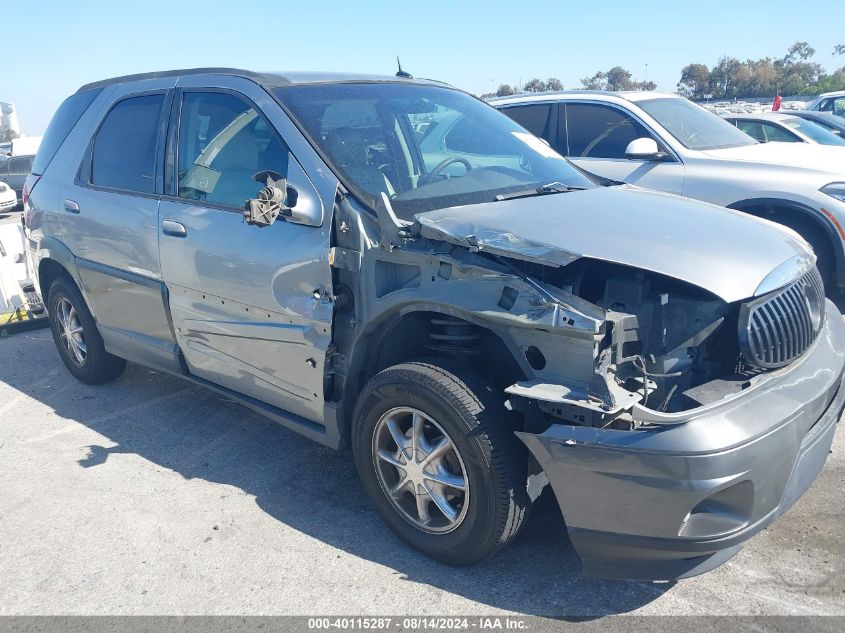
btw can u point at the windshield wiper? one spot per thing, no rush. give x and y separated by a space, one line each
542 190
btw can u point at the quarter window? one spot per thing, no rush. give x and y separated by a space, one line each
60 126
598 131
534 118
223 143
124 155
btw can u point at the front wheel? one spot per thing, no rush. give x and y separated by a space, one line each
436 453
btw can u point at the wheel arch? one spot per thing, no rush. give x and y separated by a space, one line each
55 259
406 333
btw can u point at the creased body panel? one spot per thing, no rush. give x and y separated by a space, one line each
248 304
725 252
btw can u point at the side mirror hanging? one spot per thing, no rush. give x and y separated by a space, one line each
270 202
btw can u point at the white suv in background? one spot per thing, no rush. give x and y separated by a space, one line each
666 142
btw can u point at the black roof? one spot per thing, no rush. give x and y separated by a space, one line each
269 79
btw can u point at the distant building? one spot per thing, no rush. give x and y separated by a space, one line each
9 117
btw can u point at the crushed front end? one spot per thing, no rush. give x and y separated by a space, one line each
701 423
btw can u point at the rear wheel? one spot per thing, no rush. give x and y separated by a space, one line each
77 338
436 454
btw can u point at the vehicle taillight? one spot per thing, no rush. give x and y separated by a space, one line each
28 186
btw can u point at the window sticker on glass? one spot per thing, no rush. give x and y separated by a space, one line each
537 145
200 178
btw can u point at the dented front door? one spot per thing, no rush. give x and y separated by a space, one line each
248 303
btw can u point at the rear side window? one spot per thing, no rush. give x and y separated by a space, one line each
600 131
124 155
534 118
60 126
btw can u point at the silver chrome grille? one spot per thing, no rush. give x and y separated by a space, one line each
777 328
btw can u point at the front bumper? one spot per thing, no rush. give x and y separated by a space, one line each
678 501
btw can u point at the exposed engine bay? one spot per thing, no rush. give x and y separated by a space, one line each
664 345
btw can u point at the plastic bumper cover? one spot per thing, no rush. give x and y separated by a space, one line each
678 501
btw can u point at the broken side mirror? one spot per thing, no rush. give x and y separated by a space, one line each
275 199
297 202
644 149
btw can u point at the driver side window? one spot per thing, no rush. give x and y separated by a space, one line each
223 142
598 131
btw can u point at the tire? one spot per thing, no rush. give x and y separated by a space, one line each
458 406
90 362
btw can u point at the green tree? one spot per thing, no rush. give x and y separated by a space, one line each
535 85
553 84
839 49
596 82
722 78
799 51
505 90
695 81
619 79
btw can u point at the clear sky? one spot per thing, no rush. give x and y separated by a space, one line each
52 47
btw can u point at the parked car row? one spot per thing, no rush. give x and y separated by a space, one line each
667 143
723 108
392 266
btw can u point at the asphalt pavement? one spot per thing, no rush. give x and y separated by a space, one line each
154 496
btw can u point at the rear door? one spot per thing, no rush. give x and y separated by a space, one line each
248 302
594 136
108 217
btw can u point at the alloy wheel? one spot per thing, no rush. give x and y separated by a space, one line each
420 470
71 332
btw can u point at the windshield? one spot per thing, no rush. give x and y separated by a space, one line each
814 131
426 147
693 126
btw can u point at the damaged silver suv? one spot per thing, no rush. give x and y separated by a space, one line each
467 311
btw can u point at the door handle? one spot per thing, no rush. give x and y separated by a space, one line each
174 228
71 206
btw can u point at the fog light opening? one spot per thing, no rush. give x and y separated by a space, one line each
721 513
535 358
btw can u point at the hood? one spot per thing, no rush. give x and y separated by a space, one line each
725 252
826 158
